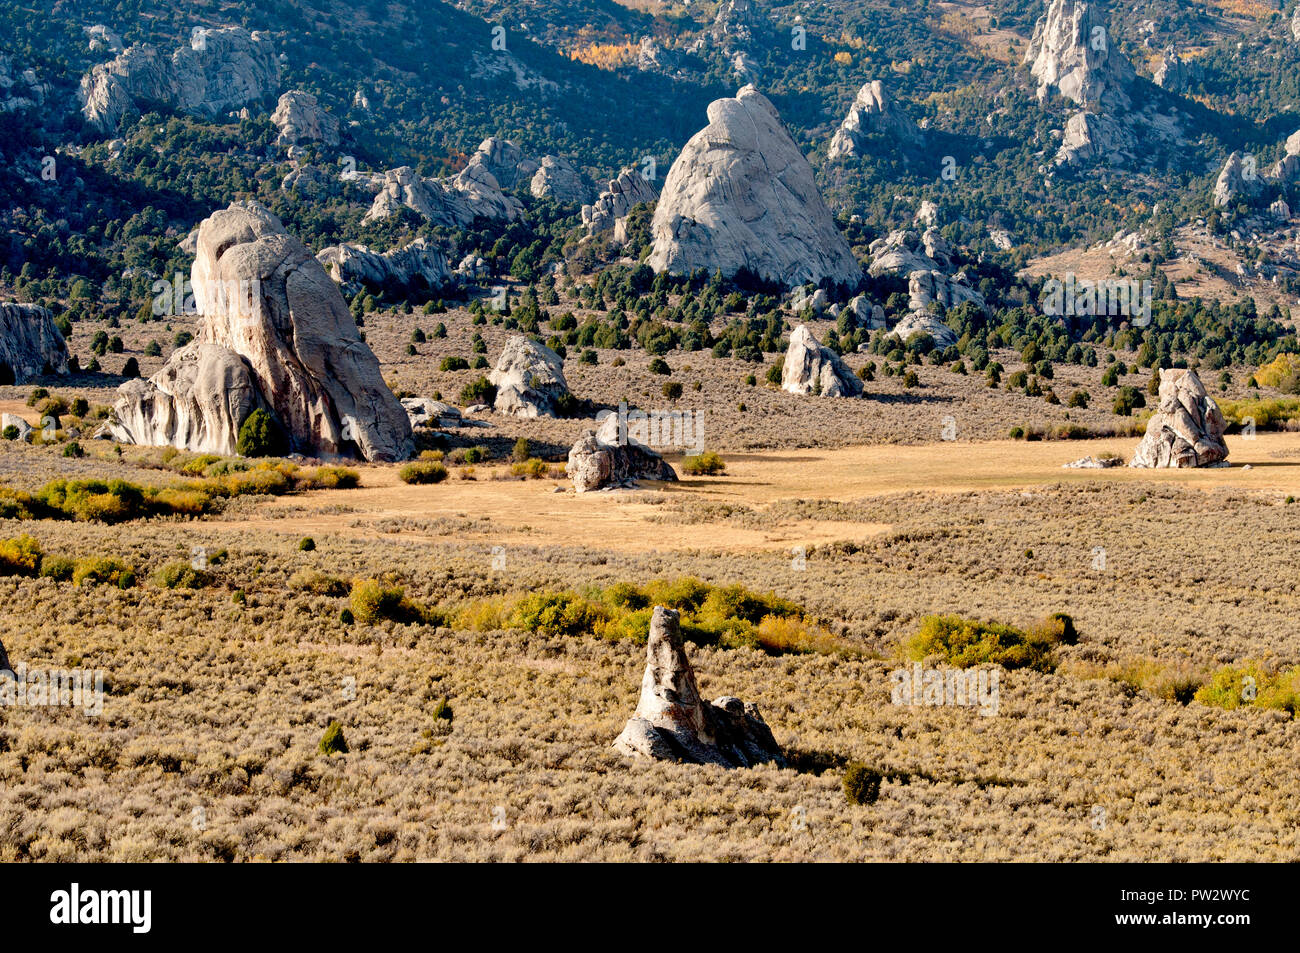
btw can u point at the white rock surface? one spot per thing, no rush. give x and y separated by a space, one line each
453 202
612 205
300 118
529 379
923 322
274 331
673 723
30 344
872 114
1072 52
742 195
221 69
601 459
811 368
560 179
1187 428
417 266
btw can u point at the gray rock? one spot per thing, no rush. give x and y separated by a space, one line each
30 344
558 178
453 202
529 379
300 118
425 410
1093 463
873 114
1187 428
1237 180
811 368
866 313
504 161
418 266
221 69
742 195
265 303
673 723
923 322
1071 51
620 195
20 88
600 460
20 423
1090 137
1176 74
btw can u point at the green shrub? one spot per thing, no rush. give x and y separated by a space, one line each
261 436
704 464
1250 685
371 601
557 613
103 571
660 366
481 391
317 583
182 575
422 471
73 450
11 432
333 742
968 642
306 544
522 451
58 568
861 784
452 363
442 710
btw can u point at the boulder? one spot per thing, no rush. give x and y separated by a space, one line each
612 205
221 69
20 423
1176 74
1093 463
300 118
529 378
1091 137
923 322
559 179
673 723
1238 179
873 115
1187 428
811 368
20 88
866 313
926 287
273 332
742 196
504 161
453 202
425 410
418 266
30 344
604 459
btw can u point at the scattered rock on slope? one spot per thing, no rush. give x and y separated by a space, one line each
1187 428
221 69
529 378
300 118
742 196
673 723
274 332
873 113
30 344
418 266
612 205
811 368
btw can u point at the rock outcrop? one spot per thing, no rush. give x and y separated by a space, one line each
300 118
923 322
612 205
1176 74
20 88
529 378
425 410
418 266
20 424
558 178
873 114
30 344
926 260
221 69
673 723
1187 428
1238 179
274 332
742 196
1295 24
1096 136
453 202
1071 51
811 368
608 458
504 161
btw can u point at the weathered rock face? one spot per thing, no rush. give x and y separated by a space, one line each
559 179
196 402
273 329
300 118
504 161
673 723
221 69
18 423
926 261
1295 24
1187 428
1176 74
1071 51
529 379
811 368
418 266
605 459
742 195
1237 180
453 202
923 322
425 410
926 287
100 38
866 313
612 205
873 113
30 344
1092 136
